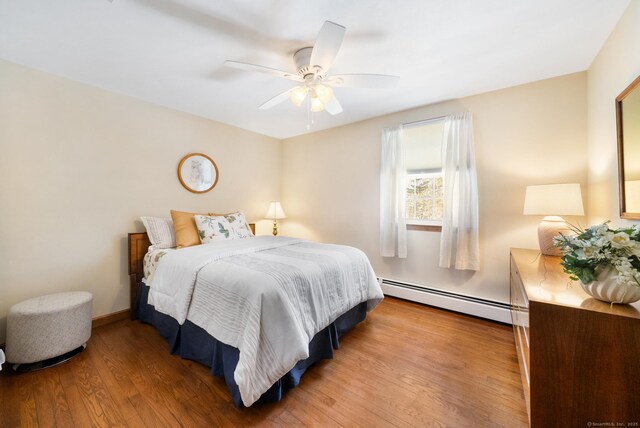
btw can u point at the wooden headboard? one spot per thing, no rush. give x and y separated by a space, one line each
138 247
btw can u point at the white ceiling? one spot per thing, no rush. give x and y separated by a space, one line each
170 52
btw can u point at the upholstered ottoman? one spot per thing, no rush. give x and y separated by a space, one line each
41 329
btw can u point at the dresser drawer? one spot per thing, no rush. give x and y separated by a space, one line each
523 353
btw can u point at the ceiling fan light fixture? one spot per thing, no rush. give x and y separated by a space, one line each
312 75
316 104
323 92
298 94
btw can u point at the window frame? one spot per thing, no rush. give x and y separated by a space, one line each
423 222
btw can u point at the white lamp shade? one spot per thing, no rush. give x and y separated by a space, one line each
275 211
553 199
324 93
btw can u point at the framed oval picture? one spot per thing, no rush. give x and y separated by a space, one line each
198 173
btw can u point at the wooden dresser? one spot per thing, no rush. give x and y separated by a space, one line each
579 357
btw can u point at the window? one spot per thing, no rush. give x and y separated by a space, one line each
424 199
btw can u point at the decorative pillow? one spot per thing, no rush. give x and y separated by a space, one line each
239 224
185 229
228 226
160 232
150 263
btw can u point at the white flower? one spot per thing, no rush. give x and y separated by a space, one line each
620 240
603 239
583 243
584 253
634 248
599 247
600 229
627 274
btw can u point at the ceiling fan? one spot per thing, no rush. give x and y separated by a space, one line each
312 65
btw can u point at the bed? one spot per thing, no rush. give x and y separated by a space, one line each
259 311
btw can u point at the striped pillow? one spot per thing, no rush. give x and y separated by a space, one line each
160 231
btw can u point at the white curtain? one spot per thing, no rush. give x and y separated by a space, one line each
393 231
459 239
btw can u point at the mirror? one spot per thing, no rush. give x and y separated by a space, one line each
628 124
198 173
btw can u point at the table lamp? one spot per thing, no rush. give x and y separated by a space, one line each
275 212
553 201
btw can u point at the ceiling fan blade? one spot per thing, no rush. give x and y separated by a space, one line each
262 69
327 45
333 107
363 80
276 100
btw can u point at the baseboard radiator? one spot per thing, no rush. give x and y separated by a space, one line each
483 308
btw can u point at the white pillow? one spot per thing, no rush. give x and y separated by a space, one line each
239 224
160 232
228 226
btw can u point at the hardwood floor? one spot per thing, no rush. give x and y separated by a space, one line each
406 365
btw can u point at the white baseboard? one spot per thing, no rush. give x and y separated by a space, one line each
482 308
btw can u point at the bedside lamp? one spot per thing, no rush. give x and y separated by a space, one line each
552 201
275 212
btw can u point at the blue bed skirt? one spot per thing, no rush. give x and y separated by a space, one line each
194 343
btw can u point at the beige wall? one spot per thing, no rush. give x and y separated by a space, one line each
79 165
529 134
617 65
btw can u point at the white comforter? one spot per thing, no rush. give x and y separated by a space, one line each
267 296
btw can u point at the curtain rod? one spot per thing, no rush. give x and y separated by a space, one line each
421 122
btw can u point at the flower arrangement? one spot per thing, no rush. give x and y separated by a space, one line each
598 248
